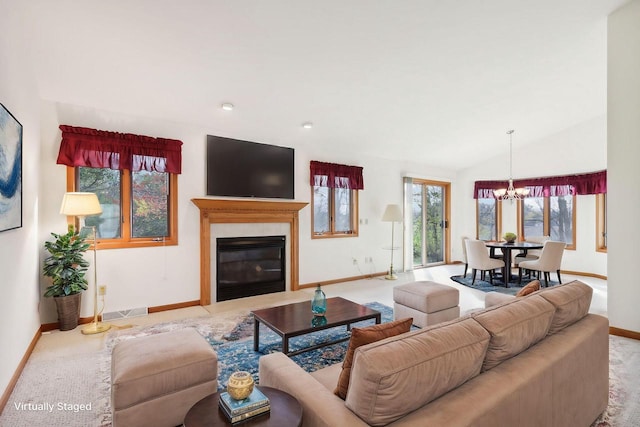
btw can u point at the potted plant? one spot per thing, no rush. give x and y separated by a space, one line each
66 267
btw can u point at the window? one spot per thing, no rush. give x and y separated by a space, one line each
601 222
136 206
550 208
488 219
139 201
335 199
553 215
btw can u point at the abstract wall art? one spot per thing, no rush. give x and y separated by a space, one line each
10 171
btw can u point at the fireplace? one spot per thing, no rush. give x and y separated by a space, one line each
248 266
216 213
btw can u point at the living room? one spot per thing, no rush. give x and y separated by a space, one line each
163 276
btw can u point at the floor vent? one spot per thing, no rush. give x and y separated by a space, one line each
124 314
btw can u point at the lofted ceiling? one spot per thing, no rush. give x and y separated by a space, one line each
433 81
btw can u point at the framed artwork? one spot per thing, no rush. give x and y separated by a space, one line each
10 171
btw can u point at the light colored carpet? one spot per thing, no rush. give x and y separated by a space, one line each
64 383
624 384
50 392
51 389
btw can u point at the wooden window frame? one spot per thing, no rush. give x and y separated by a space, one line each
126 241
332 233
601 222
446 237
546 213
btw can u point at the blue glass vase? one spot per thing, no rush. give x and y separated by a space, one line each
318 321
319 302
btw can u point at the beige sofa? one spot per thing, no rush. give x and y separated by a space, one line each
538 360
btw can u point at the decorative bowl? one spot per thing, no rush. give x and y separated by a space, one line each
510 237
240 385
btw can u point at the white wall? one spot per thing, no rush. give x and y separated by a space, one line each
146 277
624 175
578 149
19 290
168 275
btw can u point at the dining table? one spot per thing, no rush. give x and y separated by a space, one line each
506 248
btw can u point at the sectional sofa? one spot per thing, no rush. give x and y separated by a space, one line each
538 360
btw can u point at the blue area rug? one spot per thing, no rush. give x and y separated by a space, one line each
235 350
485 286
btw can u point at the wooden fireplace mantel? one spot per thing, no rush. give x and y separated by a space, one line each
219 211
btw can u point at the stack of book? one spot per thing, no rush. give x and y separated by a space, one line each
240 410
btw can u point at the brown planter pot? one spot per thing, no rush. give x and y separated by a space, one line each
68 311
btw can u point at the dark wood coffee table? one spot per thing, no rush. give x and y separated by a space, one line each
292 320
285 411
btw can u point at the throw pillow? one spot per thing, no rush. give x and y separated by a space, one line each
362 336
529 289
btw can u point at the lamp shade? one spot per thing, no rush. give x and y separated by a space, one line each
80 204
392 213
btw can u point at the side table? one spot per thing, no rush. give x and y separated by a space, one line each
285 411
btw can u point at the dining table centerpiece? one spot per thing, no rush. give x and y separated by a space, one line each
510 237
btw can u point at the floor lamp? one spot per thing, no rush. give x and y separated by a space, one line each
82 205
392 214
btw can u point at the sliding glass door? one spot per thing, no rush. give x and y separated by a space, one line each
429 201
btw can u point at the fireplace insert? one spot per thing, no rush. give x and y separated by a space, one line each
248 266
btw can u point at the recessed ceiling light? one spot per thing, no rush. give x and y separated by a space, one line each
227 106
307 125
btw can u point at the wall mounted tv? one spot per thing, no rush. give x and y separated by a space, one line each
249 169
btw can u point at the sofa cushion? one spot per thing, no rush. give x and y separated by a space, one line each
494 298
514 327
394 377
571 300
530 288
362 336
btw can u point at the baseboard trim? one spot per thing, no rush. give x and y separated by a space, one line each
344 279
167 307
14 379
580 273
47 327
624 333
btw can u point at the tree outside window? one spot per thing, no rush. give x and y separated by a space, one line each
488 213
552 216
136 206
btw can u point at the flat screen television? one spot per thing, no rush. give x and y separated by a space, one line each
248 169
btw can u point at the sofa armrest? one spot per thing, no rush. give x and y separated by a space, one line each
495 298
320 407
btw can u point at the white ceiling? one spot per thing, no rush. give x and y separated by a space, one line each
434 81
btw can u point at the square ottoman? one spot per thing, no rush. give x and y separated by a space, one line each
427 302
156 379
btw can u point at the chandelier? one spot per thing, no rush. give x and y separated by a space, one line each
510 193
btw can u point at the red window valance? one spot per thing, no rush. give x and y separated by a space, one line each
336 176
103 149
579 184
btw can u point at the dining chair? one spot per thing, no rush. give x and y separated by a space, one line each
464 255
478 259
531 254
550 260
